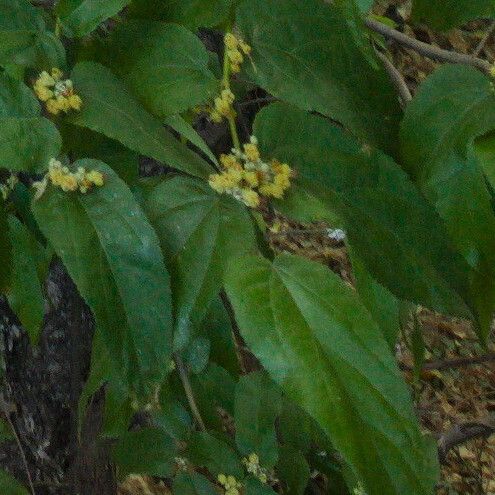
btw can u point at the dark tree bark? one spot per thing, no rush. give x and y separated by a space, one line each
41 389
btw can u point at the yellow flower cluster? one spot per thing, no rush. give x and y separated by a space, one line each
253 467
231 485
236 49
57 93
223 106
247 178
81 180
8 187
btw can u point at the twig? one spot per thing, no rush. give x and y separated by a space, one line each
184 377
484 40
461 433
396 77
6 412
427 50
453 363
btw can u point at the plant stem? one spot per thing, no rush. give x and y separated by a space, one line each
226 85
184 377
484 40
427 50
396 78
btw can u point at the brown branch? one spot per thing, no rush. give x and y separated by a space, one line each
484 40
184 377
426 49
396 78
461 433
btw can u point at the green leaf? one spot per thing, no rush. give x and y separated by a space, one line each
83 143
9 485
257 405
148 451
198 13
109 108
27 141
217 456
311 54
16 99
218 328
20 24
80 17
254 487
200 231
380 302
167 69
446 14
113 255
192 483
318 342
293 469
5 250
26 292
451 108
180 125
198 354
390 226
214 389
190 13
295 427
484 148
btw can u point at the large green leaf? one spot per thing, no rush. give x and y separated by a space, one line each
310 54
9 485
395 232
446 14
147 451
205 450
23 38
26 292
167 69
380 302
192 483
20 24
190 13
258 403
113 255
451 108
80 17
317 341
109 108
27 141
200 231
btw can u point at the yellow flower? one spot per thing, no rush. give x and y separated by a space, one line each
52 107
250 198
216 117
252 152
251 178
95 178
75 102
230 161
46 80
57 74
235 57
69 183
245 47
43 93
230 41
63 103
